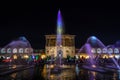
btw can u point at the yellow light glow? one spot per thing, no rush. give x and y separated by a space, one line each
26 56
80 56
52 76
43 56
51 66
87 57
111 56
105 56
15 57
14 66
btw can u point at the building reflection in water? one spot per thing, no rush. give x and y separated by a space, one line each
66 74
73 73
43 73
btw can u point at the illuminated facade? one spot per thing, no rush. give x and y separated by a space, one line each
68 45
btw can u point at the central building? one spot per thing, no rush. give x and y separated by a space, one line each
67 45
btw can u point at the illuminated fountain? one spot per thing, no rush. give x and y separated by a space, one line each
92 42
57 66
16 47
59 39
92 63
116 65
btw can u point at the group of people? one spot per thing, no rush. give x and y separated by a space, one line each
98 60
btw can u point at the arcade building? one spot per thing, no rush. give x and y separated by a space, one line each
68 45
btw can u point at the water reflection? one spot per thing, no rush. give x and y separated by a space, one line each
71 73
66 74
22 75
13 67
83 75
13 75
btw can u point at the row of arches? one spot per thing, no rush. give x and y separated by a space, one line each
105 50
16 50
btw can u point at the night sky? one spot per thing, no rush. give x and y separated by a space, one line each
36 20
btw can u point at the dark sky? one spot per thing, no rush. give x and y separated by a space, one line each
34 20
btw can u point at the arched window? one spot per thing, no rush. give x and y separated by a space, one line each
99 50
110 50
9 50
21 50
26 50
116 50
104 50
3 50
15 50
